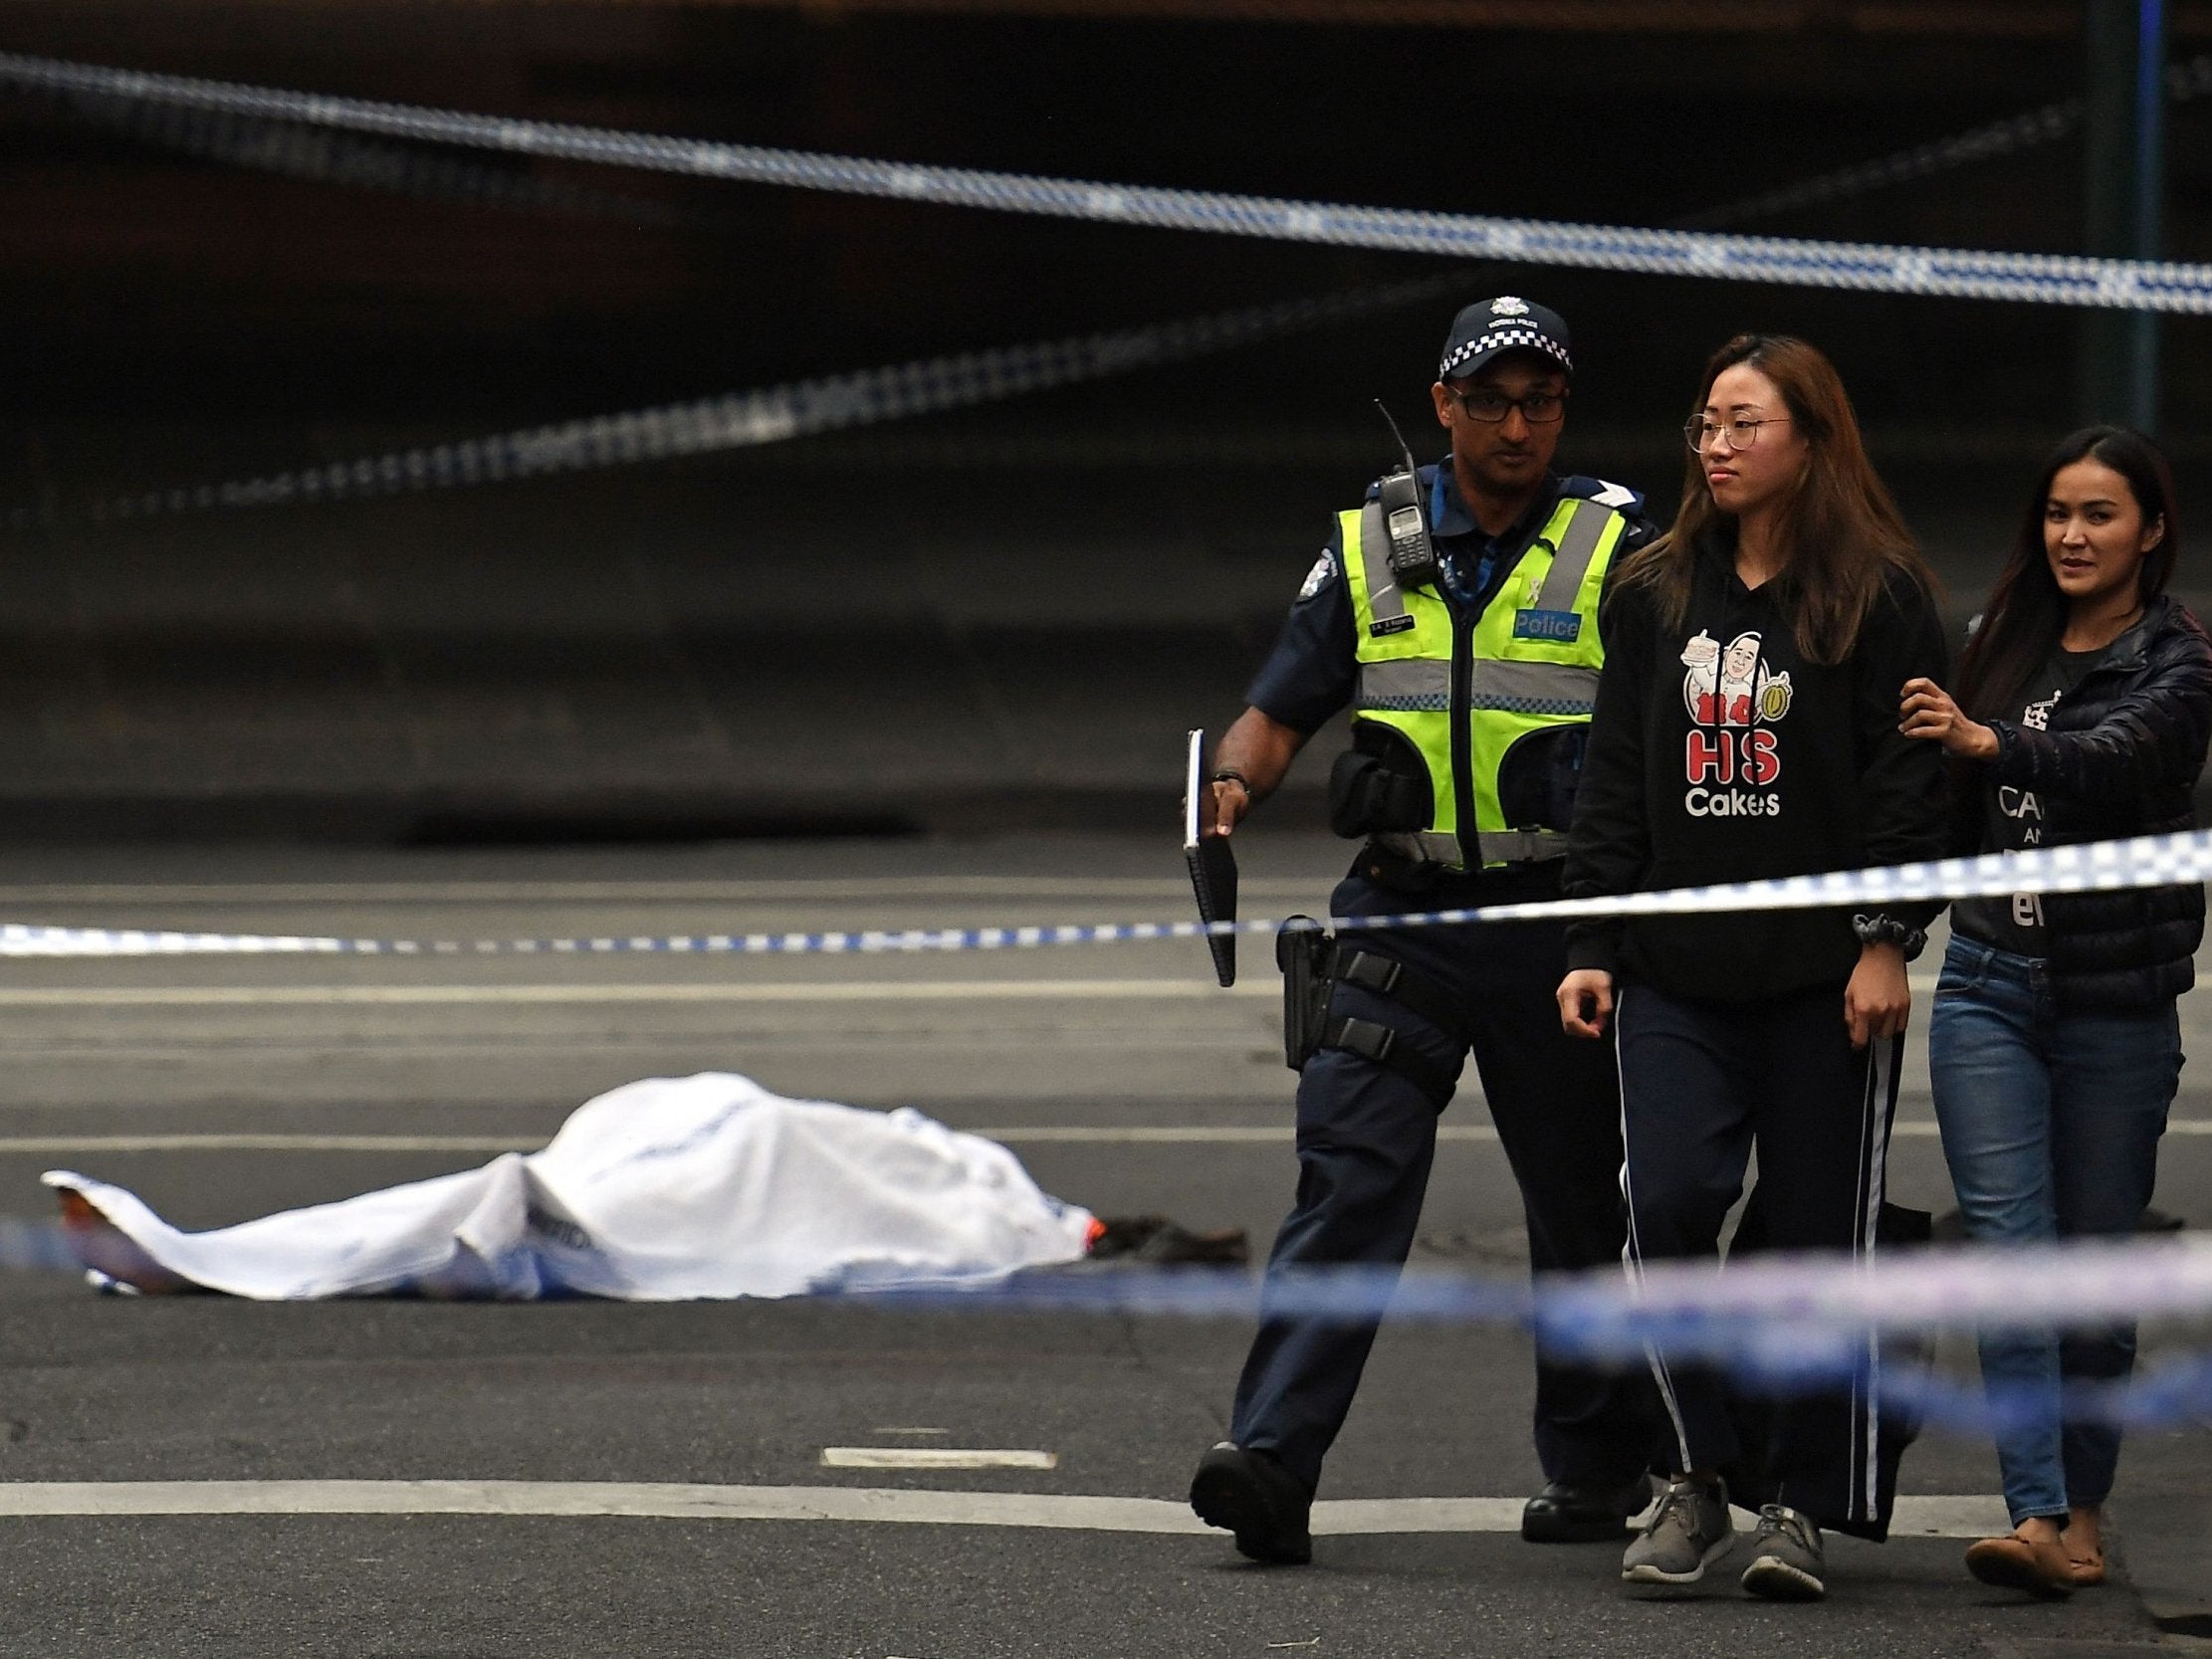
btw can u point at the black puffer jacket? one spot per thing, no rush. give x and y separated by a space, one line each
2120 759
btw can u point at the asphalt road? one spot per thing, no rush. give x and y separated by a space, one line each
224 1087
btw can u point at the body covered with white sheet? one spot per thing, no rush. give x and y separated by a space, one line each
663 1189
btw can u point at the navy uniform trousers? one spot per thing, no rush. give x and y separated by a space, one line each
1367 1137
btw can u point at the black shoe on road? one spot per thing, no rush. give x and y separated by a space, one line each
1571 1512
1257 1498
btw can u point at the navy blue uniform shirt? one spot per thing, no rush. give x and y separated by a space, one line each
1313 669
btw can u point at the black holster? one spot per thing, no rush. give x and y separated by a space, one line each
1314 963
1306 954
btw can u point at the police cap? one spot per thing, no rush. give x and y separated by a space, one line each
1506 324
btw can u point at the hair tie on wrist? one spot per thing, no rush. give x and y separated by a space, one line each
1888 929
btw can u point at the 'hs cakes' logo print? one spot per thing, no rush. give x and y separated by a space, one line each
1730 757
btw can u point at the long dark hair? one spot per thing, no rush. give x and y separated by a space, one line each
1842 534
2025 614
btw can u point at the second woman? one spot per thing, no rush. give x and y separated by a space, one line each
2055 1046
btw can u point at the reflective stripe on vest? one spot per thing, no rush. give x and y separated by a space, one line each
1570 566
1524 676
1534 688
1423 685
1418 684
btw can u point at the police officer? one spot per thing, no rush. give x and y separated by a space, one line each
1471 685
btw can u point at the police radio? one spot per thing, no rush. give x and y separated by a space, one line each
1412 557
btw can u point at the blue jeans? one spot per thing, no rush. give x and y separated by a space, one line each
2051 1123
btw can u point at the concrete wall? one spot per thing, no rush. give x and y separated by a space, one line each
961 621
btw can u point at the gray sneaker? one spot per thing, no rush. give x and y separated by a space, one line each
1686 1533
1786 1562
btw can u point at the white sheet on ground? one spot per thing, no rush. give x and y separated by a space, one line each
660 1190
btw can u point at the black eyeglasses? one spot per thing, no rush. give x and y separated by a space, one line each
1489 405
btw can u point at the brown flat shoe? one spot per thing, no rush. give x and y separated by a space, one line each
2016 1563
2085 1570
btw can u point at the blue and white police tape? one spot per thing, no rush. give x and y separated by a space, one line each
743 420
1836 1338
773 415
35 1247
1779 1324
2090 866
732 421
1774 1309
291 150
2097 866
2041 279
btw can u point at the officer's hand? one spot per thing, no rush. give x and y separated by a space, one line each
1877 1000
1585 1002
1226 802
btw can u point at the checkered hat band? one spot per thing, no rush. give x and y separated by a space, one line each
1504 339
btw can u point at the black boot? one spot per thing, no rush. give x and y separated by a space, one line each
1257 1499
1574 1512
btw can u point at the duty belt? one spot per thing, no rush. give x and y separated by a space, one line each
1490 846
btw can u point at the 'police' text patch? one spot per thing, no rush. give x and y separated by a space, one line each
1560 627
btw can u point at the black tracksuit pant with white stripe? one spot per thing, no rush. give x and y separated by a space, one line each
1703 1083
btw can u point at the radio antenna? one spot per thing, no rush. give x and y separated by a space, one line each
1402 448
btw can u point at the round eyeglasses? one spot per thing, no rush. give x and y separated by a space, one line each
1740 433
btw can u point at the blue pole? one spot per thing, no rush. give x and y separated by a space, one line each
2149 202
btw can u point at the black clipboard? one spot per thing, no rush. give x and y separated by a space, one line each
1213 866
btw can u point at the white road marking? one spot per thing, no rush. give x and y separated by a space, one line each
1934 1517
827 990
49 1145
1183 1135
1232 1135
934 1457
785 990
19 895
61 1145
1950 1517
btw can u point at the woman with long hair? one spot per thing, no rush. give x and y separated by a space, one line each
2084 708
1746 728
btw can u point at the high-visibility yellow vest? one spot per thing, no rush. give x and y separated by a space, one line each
1530 666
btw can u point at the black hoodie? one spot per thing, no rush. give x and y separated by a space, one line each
1718 754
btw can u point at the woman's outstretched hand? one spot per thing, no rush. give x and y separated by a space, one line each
1927 711
1585 1002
